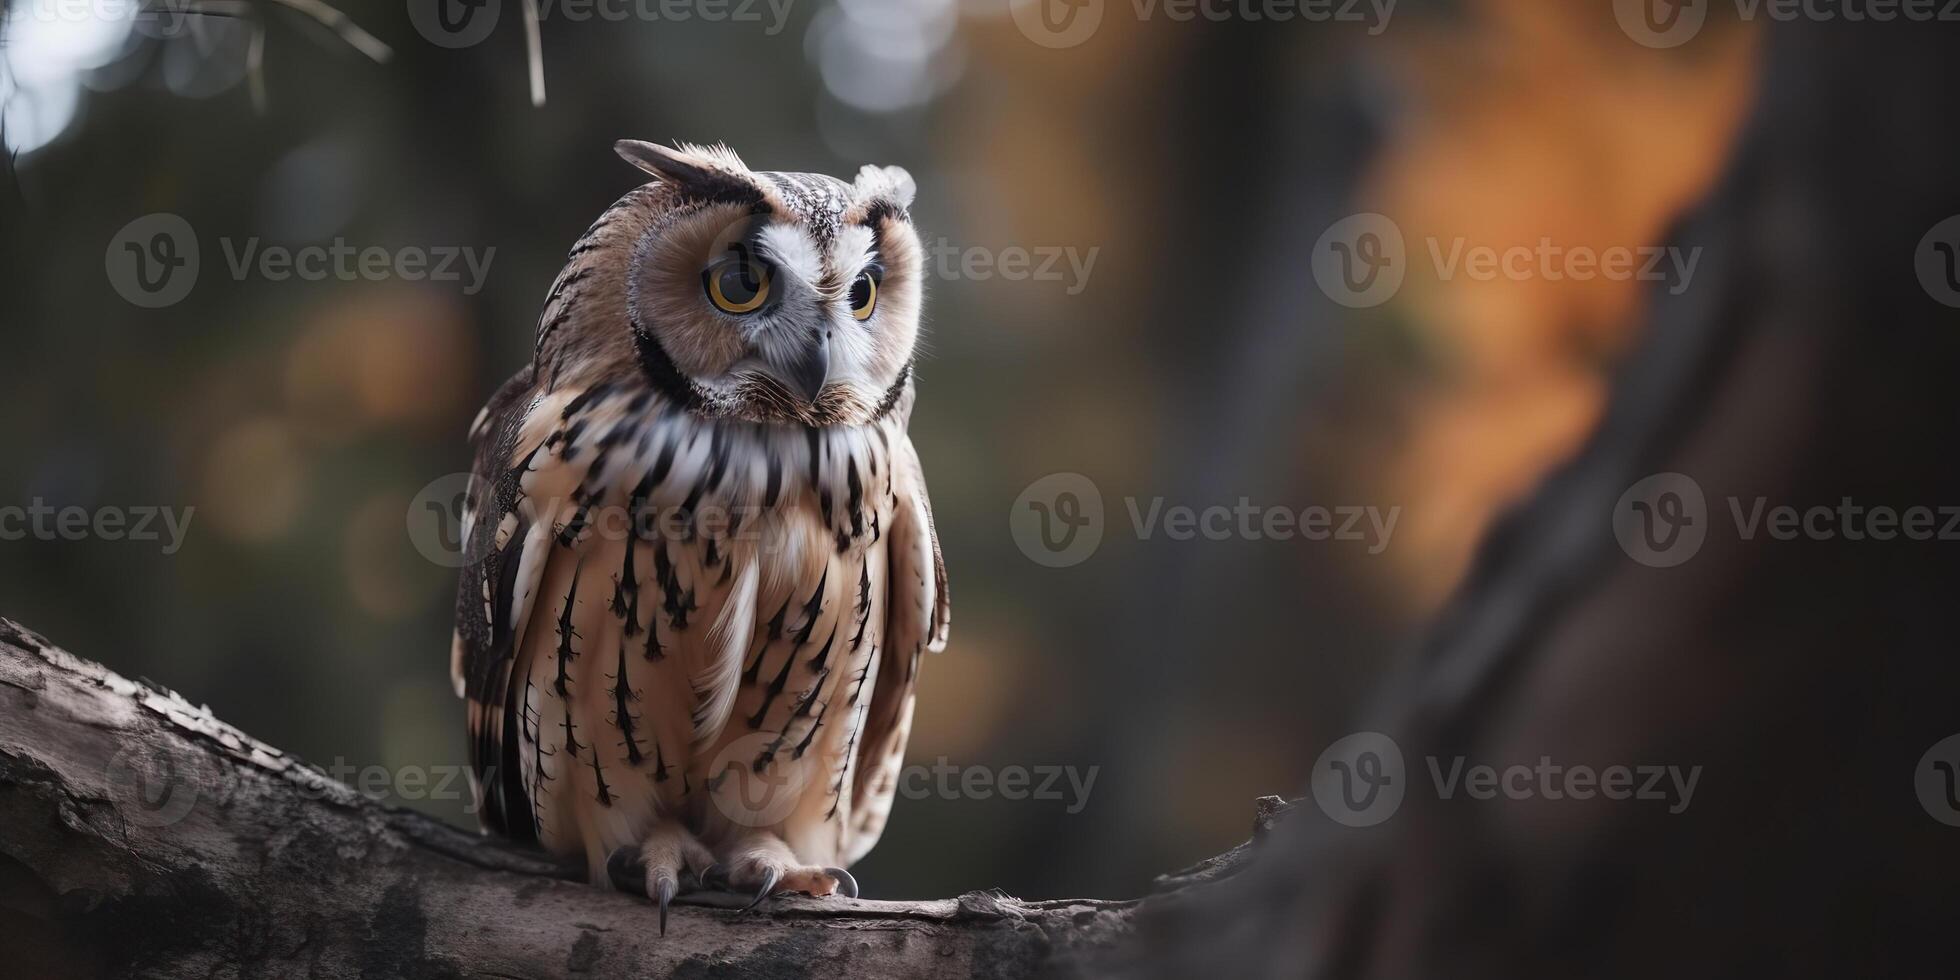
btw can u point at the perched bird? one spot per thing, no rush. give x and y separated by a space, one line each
701 564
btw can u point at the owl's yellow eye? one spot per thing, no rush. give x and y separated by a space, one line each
864 295
738 284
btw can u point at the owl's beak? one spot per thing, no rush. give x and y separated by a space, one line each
811 367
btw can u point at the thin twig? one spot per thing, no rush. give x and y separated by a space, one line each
255 67
534 51
334 20
343 26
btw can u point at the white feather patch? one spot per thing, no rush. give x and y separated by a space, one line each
530 569
891 183
852 249
794 252
715 685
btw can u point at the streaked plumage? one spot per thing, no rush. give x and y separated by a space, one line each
702 564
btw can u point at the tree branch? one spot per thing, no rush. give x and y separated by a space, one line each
141 835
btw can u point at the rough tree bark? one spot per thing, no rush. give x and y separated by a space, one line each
140 836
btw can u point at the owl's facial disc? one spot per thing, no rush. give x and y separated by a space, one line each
761 279
775 297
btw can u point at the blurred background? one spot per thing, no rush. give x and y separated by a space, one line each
1180 351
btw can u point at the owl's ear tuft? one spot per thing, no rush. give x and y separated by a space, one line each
661 162
704 169
889 183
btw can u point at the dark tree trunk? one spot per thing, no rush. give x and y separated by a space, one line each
1809 678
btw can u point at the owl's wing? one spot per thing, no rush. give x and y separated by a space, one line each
590 648
918 615
920 610
493 604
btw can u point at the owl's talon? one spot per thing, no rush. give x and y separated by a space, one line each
659 868
663 892
769 878
627 870
846 885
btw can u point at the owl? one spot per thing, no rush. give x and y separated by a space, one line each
701 567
